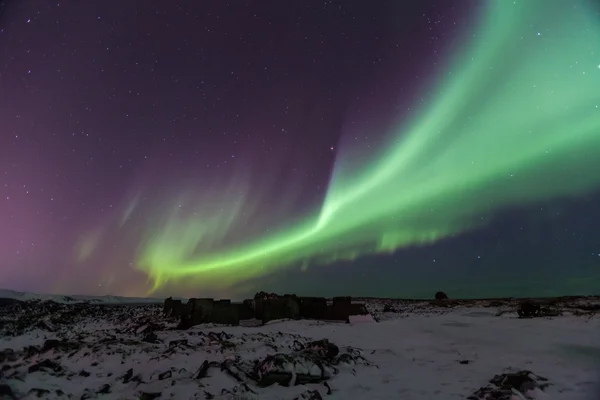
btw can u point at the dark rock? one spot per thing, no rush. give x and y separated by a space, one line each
6 392
50 344
388 308
180 342
46 325
203 370
233 370
323 348
237 391
39 393
30 351
504 386
529 309
84 373
104 389
441 296
59 345
149 396
127 375
7 355
164 375
150 338
327 387
87 395
46 365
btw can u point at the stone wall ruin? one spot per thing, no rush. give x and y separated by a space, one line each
264 308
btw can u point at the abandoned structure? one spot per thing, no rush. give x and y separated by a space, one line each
204 310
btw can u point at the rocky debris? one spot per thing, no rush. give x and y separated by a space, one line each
127 376
20 317
104 389
96 344
7 355
441 296
134 350
494 303
149 396
46 365
587 306
530 309
313 362
388 308
507 386
150 337
39 393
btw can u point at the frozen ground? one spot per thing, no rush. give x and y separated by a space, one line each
419 350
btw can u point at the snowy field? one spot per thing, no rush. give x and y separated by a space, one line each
60 349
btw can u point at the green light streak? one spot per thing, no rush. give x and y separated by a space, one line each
513 120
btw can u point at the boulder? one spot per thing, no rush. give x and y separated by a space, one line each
524 384
529 309
441 296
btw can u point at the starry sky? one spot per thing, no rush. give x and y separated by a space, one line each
359 148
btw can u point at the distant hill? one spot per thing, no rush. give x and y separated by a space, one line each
64 299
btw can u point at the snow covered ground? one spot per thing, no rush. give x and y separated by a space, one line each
419 351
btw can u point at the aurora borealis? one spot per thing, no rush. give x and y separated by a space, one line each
507 121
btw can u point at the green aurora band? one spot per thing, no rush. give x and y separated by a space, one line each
514 119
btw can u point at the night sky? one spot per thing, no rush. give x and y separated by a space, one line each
139 138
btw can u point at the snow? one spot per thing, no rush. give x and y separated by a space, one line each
360 319
438 353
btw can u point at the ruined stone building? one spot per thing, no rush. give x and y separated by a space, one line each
205 310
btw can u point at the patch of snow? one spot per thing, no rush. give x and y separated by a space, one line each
359 319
